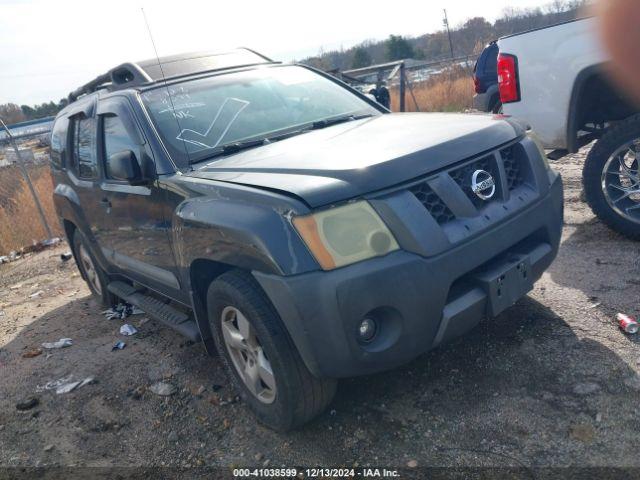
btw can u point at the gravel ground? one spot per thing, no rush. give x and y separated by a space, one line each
551 382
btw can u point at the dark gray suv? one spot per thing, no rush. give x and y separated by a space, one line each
291 224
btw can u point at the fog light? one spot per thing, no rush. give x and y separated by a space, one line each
367 330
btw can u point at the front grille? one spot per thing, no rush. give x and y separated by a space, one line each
462 175
511 168
436 207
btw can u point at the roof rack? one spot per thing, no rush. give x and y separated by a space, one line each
147 72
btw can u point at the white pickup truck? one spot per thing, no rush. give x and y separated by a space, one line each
554 79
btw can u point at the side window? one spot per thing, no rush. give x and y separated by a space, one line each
116 139
58 141
84 154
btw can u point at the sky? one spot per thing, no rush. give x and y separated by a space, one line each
50 47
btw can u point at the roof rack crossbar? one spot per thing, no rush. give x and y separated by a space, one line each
127 74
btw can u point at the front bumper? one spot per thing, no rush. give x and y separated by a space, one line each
420 301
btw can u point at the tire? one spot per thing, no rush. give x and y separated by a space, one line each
98 281
232 299
497 107
599 197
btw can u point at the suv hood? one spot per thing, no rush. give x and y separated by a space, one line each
351 159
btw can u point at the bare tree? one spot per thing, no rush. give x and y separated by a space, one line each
11 113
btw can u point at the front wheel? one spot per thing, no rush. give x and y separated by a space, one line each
612 179
260 357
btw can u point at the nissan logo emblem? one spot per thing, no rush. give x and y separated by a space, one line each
482 184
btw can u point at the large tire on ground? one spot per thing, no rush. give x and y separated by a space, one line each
260 357
611 178
95 277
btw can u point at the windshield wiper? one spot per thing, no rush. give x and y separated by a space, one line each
315 126
335 120
234 147
230 148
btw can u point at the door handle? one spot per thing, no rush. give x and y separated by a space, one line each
105 203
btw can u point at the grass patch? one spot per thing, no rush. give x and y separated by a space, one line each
450 91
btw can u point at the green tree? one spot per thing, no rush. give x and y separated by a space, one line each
397 47
29 112
361 58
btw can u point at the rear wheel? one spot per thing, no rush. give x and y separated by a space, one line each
612 179
95 277
260 357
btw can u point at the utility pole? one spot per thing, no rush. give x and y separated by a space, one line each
445 22
25 174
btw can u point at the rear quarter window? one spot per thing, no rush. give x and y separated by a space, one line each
59 142
84 147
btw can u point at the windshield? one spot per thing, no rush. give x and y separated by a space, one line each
200 116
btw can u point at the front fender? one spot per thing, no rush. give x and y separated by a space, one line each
242 235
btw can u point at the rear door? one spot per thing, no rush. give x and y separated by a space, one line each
83 173
135 233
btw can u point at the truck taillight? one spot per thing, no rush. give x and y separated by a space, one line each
508 78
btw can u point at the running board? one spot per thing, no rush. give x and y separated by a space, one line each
171 317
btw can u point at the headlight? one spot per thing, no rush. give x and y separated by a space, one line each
344 235
532 135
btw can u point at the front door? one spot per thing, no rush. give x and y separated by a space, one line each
135 236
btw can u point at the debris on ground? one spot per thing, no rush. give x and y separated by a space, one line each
412 464
163 389
27 404
128 329
118 346
48 448
121 311
50 242
54 384
62 343
36 294
71 386
13 256
137 392
66 256
32 353
627 323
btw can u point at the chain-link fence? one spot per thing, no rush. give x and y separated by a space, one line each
418 86
20 223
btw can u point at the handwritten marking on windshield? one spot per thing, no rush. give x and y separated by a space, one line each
211 138
182 106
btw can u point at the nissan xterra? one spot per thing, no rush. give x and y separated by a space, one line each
294 226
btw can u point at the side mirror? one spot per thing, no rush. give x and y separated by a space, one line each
124 166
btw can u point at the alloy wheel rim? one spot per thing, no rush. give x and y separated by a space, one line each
90 270
620 181
247 355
